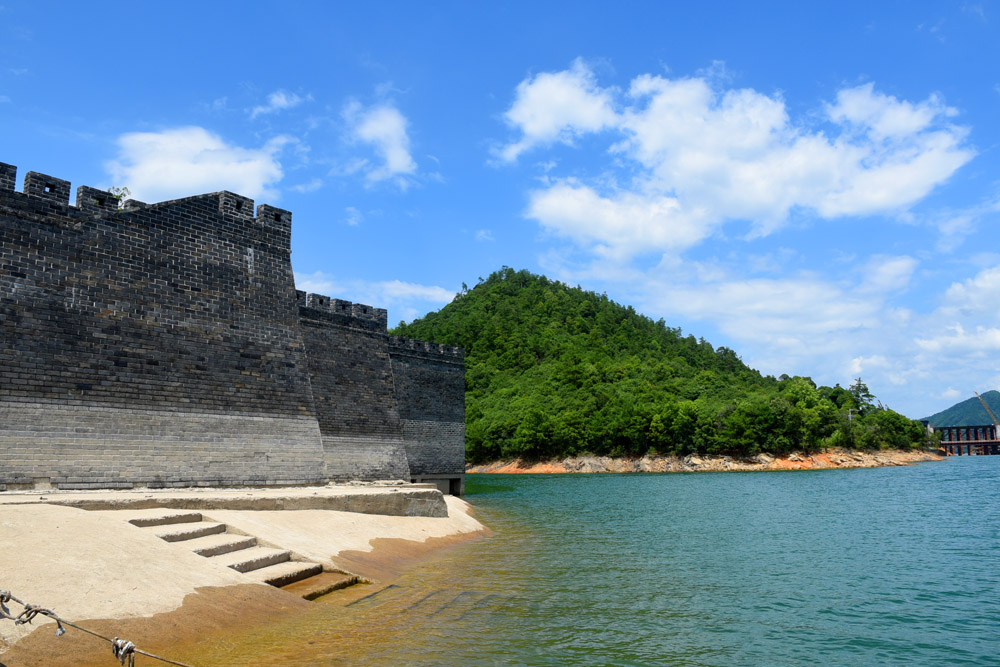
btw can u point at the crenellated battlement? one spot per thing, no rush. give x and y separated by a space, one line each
357 311
45 189
439 349
163 333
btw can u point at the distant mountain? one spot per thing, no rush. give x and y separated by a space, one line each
969 412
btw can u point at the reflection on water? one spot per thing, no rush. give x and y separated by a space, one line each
885 566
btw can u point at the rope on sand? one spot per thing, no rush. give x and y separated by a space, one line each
124 651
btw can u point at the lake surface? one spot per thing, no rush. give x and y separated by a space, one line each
886 566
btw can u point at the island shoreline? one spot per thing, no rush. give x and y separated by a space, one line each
824 460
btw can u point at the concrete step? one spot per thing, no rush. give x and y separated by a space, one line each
191 531
320 584
220 543
283 574
165 518
254 558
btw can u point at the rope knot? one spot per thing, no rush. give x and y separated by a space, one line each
124 650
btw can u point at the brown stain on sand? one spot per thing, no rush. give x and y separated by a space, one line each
207 612
219 615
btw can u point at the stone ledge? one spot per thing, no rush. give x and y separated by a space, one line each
423 500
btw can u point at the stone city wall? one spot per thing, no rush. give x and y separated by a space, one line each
165 345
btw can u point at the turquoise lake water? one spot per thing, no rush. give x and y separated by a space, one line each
867 567
886 566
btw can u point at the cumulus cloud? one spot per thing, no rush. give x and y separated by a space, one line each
403 300
697 156
384 128
184 161
556 106
278 101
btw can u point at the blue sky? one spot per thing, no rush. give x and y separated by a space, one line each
814 187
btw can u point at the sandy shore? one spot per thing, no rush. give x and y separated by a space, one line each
96 569
834 458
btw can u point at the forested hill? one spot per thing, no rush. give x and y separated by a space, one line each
553 371
969 412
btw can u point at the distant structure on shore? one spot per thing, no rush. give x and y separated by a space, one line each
165 345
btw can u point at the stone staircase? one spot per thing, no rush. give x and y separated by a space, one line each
274 566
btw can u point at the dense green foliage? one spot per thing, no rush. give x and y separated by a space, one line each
969 412
553 371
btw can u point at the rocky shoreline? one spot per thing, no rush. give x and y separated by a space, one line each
831 458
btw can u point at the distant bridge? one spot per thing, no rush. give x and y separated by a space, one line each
969 440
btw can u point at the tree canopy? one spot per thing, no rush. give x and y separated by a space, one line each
553 370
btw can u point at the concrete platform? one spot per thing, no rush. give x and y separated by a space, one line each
390 499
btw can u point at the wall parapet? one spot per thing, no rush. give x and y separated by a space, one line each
425 348
43 191
344 312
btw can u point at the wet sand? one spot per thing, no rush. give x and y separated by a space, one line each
153 594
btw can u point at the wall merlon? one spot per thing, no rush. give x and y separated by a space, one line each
238 206
46 187
277 219
93 200
8 173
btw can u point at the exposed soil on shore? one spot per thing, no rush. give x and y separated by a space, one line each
217 614
102 573
209 611
832 458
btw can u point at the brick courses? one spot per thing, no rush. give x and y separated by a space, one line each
165 345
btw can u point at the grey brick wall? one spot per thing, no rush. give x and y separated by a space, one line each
182 309
352 382
165 345
430 386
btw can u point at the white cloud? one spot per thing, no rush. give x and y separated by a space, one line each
865 364
621 225
484 235
385 129
977 342
311 186
403 300
955 225
556 106
697 157
185 161
883 116
978 297
278 101
354 216
887 274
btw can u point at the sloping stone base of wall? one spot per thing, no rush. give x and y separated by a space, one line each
363 458
48 445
